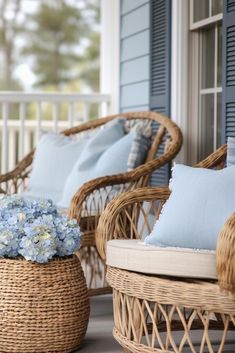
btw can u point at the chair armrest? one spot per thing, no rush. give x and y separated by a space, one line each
214 160
92 198
225 256
120 219
10 181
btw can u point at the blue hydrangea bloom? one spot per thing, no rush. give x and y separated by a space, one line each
39 247
35 230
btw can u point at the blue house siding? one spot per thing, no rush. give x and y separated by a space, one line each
145 61
135 55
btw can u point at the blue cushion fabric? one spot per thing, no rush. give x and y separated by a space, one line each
54 159
231 151
106 153
200 203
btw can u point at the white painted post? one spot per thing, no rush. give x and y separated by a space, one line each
27 141
104 111
21 130
55 113
86 112
5 116
110 52
71 112
12 134
38 120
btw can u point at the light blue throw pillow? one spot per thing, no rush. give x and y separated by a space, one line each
230 151
54 159
200 203
106 153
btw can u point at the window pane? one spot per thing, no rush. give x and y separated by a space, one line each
206 141
217 7
208 58
219 66
200 10
219 123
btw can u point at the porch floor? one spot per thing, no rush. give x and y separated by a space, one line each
99 336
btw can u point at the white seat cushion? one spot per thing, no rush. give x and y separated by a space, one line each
134 255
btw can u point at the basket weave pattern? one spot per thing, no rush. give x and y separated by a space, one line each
145 307
44 308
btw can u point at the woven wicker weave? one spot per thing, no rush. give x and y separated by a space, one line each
96 194
44 308
146 306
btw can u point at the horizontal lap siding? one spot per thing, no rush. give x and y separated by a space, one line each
141 37
134 55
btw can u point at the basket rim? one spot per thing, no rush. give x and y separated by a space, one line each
55 259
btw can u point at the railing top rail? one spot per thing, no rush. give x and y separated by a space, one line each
24 97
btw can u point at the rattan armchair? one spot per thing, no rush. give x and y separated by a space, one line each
161 313
96 194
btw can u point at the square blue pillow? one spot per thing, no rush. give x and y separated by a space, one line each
105 153
200 203
54 158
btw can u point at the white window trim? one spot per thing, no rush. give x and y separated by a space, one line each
204 22
179 71
110 52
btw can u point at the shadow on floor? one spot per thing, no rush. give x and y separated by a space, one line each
99 337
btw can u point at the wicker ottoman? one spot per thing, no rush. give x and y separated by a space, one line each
44 308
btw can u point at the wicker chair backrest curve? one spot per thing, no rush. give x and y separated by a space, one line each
167 133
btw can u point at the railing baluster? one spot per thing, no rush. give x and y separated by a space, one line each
38 120
86 112
30 130
12 134
71 112
104 111
5 117
55 113
28 146
21 130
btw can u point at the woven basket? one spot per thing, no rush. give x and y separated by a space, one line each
43 308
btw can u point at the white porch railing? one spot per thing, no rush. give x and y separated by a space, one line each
25 115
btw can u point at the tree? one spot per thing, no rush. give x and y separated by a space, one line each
57 29
90 72
10 27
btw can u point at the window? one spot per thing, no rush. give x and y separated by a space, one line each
206 26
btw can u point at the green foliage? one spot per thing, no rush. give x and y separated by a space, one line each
91 65
58 29
59 41
10 27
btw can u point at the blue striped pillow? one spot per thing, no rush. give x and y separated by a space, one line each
231 151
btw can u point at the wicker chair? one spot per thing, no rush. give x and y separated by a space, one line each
161 313
95 194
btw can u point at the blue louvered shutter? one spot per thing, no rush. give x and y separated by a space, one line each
160 74
228 95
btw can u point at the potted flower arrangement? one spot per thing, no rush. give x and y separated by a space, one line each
43 295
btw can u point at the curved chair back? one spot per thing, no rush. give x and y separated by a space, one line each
165 144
